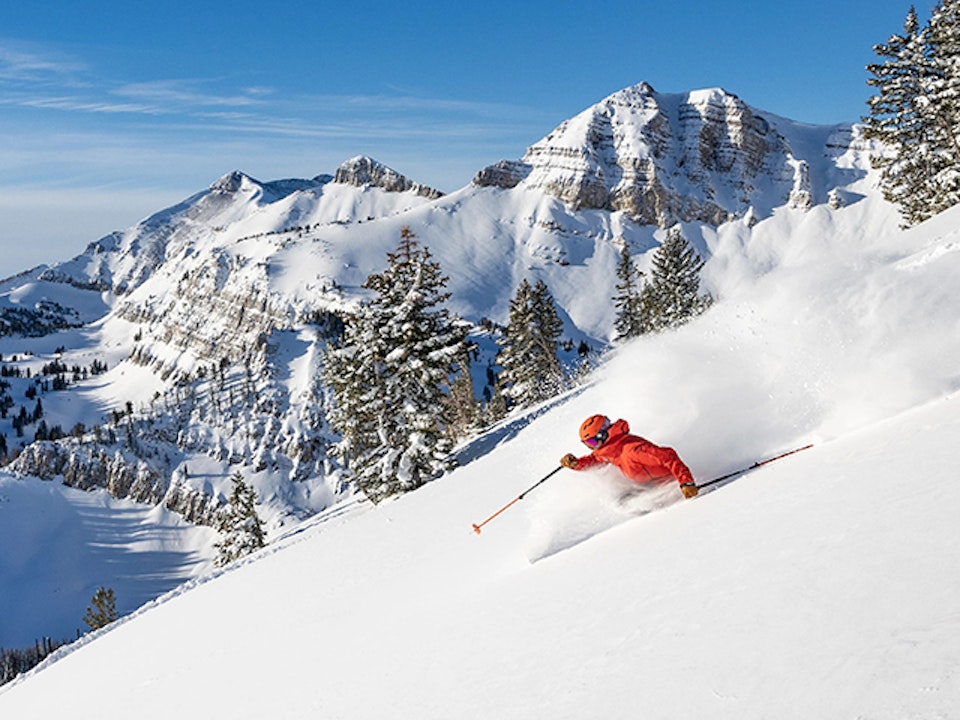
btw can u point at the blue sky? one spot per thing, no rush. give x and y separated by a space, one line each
110 110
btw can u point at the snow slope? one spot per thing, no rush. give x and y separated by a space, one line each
823 585
60 545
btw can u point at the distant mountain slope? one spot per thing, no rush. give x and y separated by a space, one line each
218 307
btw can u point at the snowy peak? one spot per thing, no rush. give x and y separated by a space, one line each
362 171
233 182
238 184
704 156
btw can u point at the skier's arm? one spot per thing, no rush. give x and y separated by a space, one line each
574 463
651 454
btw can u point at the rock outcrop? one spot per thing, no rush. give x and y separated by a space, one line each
705 156
362 171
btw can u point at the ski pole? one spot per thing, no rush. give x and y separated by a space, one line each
518 498
755 465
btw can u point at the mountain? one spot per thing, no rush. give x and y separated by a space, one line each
189 297
219 305
193 340
704 156
816 586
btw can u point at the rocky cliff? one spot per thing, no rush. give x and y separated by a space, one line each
364 171
705 156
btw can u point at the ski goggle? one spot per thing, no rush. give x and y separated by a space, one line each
597 440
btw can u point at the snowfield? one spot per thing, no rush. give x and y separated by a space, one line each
823 585
57 541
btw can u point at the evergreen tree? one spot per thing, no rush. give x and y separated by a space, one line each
239 523
944 99
496 409
547 331
897 118
672 296
353 369
914 114
531 369
465 415
395 365
515 375
102 609
627 299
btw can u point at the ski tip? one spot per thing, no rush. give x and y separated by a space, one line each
476 528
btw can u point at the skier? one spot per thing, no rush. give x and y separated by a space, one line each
637 458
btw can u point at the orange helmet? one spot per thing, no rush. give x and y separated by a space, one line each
593 431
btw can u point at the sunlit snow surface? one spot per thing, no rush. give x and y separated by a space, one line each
823 585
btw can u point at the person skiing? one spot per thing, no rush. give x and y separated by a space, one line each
637 458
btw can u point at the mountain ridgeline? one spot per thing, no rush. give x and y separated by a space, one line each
661 159
220 308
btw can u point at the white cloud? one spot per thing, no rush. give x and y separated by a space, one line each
188 93
23 62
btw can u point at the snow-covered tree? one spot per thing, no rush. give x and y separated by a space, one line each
531 371
239 523
626 302
944 98
390 375
915 114
353 369
672 295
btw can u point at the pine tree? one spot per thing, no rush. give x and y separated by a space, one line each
102 609
627 299
464 414
915 114
496 409
239 523
531 368
353 368
515 347
944 99
395 366
672 296
897 119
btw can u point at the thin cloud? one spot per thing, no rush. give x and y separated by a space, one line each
184 93
22 63
46 80
412 103
72 104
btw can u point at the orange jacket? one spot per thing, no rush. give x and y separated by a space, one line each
637 458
